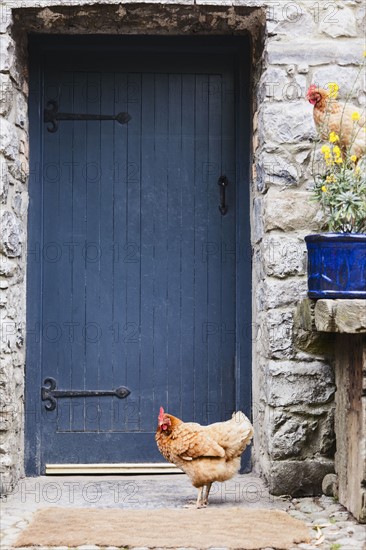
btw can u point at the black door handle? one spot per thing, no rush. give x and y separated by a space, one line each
223 182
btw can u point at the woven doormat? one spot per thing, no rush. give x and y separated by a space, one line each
235 528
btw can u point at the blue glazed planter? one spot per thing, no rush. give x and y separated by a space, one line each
336 265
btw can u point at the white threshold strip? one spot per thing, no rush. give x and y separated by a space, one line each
125 468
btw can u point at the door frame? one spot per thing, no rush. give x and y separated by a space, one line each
237 46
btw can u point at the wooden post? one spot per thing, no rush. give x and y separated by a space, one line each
347 319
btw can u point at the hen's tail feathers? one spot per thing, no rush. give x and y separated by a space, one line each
236 435
240 418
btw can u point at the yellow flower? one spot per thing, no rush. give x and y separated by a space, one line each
339 160
333 90
333 137
330 179
353 158
329 162
355 116
324 189
325 149
337 151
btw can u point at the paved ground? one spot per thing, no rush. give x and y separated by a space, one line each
330 525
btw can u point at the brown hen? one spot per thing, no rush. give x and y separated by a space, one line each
205 453
331 115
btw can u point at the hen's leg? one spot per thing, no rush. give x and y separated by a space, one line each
205 500
200 497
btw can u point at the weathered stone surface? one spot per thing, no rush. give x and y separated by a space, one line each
11 236
330 485
288 435
327 440
278 84
306 336
346 78
8 139
293 21
18 169
277 169
292 382
132 18
281 292
21 111
348 316
6 94
272 83
284 256
258 219
289 210
297 477
320 53
296 126
278 334
305 315
7 50
341 22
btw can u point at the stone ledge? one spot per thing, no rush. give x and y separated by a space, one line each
317 322
345 316
306 336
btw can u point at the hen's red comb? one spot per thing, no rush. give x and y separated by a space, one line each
161 414
312 88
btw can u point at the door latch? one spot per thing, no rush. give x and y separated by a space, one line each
223 182
51 394
51 115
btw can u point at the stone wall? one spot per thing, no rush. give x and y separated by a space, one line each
295 44
296 408
13 243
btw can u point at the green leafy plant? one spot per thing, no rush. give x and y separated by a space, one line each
340 176
340 188
335 546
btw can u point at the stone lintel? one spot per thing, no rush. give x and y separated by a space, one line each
345 316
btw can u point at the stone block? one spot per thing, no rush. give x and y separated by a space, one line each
7 53
284 256
341 22
277 169
273 83
347 316
287 122
330 485
278 334
6 93
8 139
5 17
21 111
11 235
18 169
258 219
295 382
322 52
297 477
282 292
304 432
346 78
291 20
350 316
289 210
288 434
306 336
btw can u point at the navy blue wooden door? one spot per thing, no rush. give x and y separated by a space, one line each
134 264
